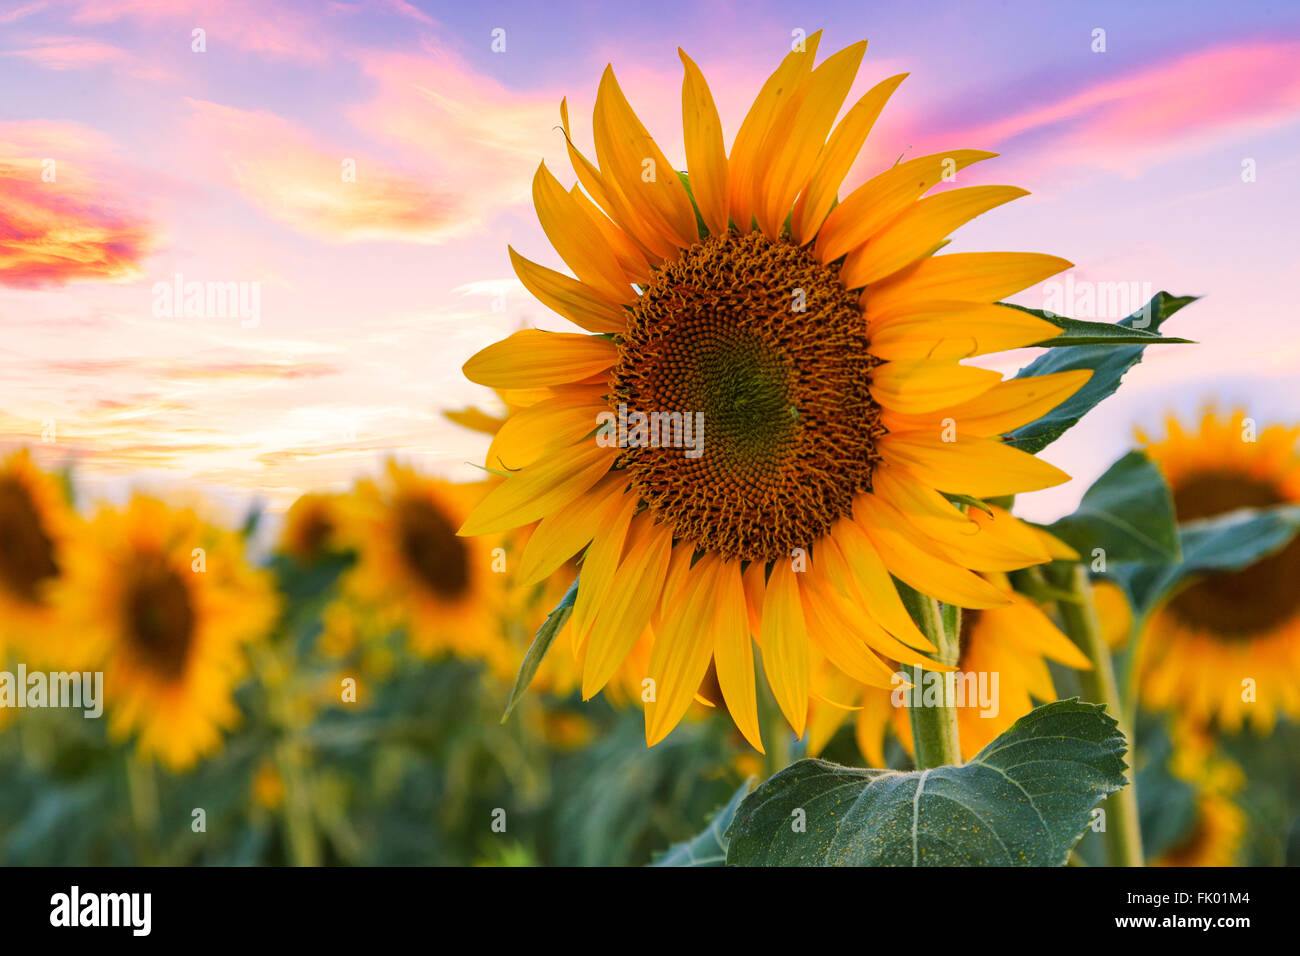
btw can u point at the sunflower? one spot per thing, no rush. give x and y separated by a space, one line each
1215 838
164 603
1202 645
414 571
36 527
1219 826
311 527
1011 644
802 361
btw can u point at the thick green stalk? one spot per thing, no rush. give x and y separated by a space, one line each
142 791
300 826
776 733
934 728
1079 616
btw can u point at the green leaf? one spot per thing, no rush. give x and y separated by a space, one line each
541 644
1128 513
710 847
1024 800
690 194
1079 332
970 502
1223 543
1108 362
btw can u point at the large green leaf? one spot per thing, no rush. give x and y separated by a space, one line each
710 847
1108 362
1079 332
541 644
1024 800
1128 513
1224 543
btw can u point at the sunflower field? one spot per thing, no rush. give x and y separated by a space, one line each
743 579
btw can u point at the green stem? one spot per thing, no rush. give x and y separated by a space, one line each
776 734
1079 616
142 790
935 736
304 850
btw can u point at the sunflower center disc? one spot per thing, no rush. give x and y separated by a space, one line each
759 343
314 534
26 551
160 617
433 553
1240 604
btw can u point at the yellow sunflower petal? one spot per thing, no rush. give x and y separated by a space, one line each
981 545
611 199
970 276
1028 625
553 423
631 259
569 229
539 489
706 154
835 637
914 386
916 232
785 645
630 157
880 597
600 568
682 650
873 205
968 465
837 158
531 357
954 330
746 151
1002 409
625 611
922 568
799 132
733 652
869 728
568 529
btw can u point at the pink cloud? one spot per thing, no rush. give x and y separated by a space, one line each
76 53
482 139
293 177
1132 122
298 32
59 220
18 13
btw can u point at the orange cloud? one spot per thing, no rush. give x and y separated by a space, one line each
305 184
58 221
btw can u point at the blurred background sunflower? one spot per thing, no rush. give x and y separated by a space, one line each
1225 647
412 569
37 525
164 603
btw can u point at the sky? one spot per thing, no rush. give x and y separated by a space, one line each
351 173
